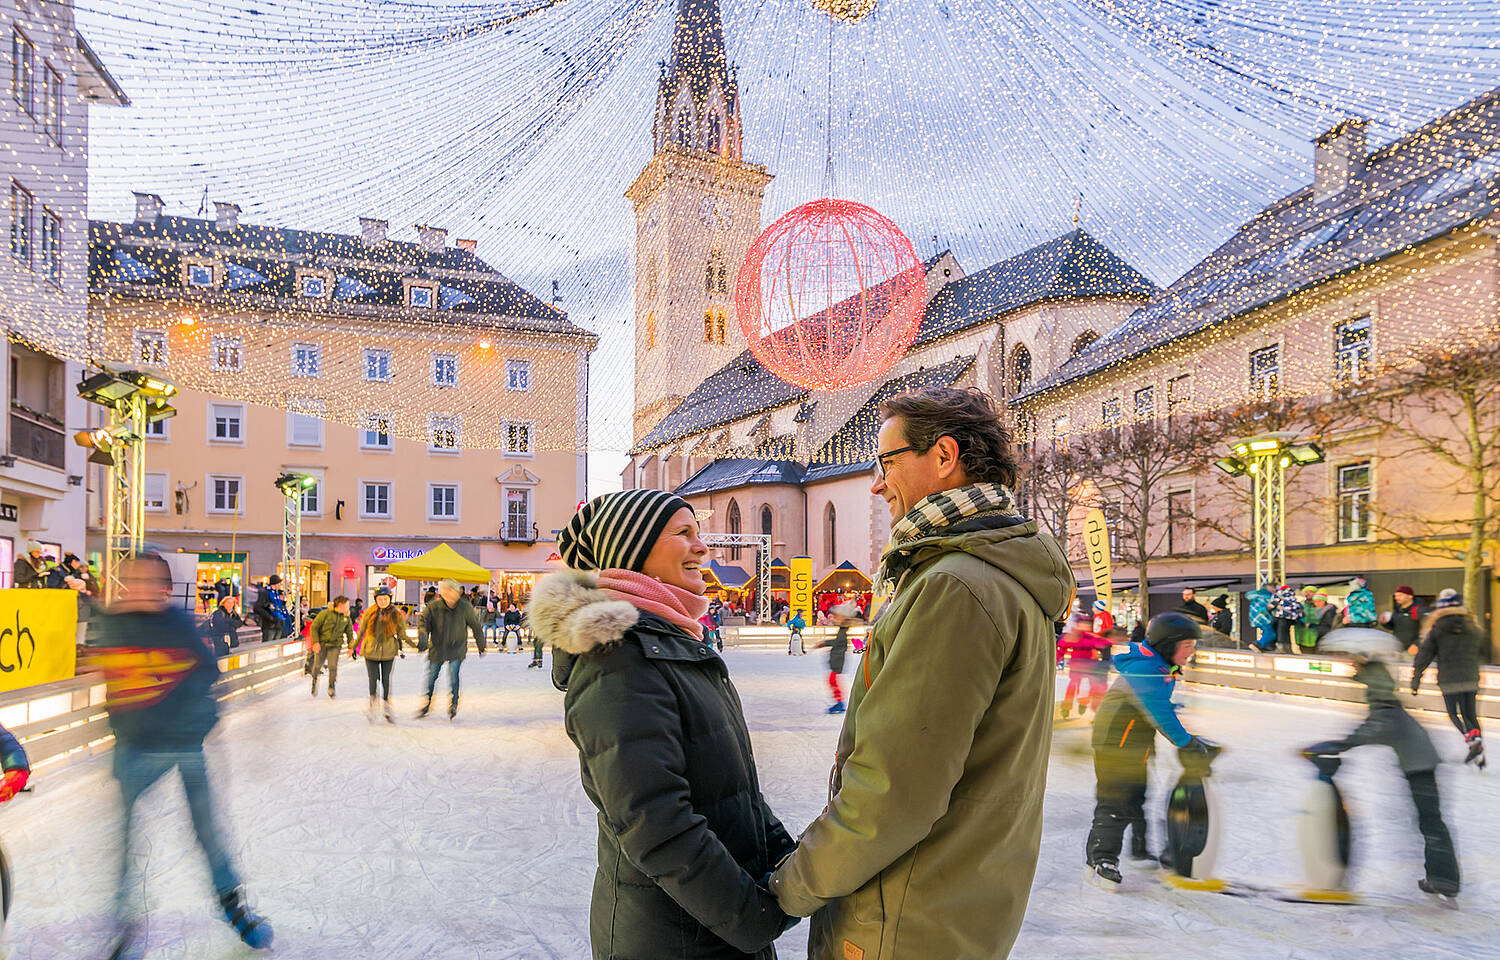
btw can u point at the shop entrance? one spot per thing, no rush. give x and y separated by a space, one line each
219 575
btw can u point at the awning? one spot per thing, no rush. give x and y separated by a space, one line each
728 575
440 563
845 576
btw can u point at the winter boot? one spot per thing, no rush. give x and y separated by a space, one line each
315 686
1441 889
1105 875
330 689
452 708
370 711
390 715
1138 848
252 928
426 706
837 707
1476 748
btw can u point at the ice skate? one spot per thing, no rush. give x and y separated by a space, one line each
426 707
390 715
1105 875
837 708
330 691
370 710
252 928
452 709
1444 893
315 686
1476 748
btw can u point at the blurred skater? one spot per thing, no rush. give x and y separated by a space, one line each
1452 639
330 630
1087 654
382 634
844 616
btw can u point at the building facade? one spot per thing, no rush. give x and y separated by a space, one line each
55 78
431 399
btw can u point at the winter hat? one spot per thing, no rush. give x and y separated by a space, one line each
275 579
1100 606
1449 597
617 530
1321 595
1357 583
33 547
1406 590
1222 601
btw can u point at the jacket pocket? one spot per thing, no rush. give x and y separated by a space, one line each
868 904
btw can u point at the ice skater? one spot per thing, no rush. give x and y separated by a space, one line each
1087 654
443 627
1452 639
330 630
1125 727
794 642
382 634
159 672
1388 723
838 651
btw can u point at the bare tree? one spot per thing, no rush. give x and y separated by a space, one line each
1052 485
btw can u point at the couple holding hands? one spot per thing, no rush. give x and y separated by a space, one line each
928 844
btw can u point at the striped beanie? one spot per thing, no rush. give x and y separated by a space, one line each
616 531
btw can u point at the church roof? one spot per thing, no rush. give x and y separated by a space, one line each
698 48
729 473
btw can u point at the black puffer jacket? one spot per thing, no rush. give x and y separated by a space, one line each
684 834
1450 636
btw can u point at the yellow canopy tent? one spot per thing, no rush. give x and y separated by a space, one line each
439 563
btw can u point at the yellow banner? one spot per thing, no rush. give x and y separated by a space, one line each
801 587
1096 541
38 637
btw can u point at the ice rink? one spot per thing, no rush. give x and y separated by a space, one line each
431 839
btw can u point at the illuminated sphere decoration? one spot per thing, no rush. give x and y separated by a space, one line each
831 295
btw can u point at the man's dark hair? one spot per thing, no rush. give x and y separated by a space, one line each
966 415
338 600
153 564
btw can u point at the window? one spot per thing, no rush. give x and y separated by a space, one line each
224 495
518 437
1145 403
377 365
1179 521
314 287
765 520
650 329
156 492
23 71
444 370
517 513
1020 368
307 359
518 375
375 430
226 353
734 527
708 326
1082 343
22 208
830 535
375 500
200 274
151 347
1351 352
312 498
1060 435
225 423
1110 413
721 327
443 433
1354 501
52 103
684 127
442 501
716 274
304 423
51 245
420 295
157 429
1265 372
1114 517
1179 393
715 132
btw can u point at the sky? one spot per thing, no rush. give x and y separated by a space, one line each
976 125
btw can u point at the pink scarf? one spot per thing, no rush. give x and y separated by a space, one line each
677 606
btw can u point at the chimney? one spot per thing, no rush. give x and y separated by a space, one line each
1338 158
432 239
226 217
466 245
372 231
147 207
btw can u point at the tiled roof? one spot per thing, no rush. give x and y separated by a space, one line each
739 389
145 257
731 472
729 574
1429 183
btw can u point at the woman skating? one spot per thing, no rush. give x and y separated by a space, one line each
382 633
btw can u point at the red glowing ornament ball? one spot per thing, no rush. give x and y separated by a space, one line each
831 295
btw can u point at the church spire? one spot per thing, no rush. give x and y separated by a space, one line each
698 97
698 47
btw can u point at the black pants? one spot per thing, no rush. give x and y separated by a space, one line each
536 647
1463 711
379 670
270 631
1284 633
1440 860
1121 803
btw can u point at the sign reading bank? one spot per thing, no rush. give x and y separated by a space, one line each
392 554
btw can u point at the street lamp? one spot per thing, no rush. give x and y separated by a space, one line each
1265 457
292 486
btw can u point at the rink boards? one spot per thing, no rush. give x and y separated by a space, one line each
1328 678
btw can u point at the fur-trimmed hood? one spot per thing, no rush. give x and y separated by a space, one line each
1442 613
569 611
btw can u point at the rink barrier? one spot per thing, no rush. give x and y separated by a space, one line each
66 718
772 634
1329 678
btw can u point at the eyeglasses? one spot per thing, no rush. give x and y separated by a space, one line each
880 458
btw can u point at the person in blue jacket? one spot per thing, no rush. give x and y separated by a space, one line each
1261 622
1137 706
13 761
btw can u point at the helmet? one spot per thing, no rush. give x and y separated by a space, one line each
1167 629
383 592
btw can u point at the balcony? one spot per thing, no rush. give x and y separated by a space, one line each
37 437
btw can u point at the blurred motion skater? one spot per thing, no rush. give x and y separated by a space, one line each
160 674
1088 668
443 627
1388 723
331 628
382 633
1452 638
1135 708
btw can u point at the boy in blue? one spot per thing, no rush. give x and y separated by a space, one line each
1137 706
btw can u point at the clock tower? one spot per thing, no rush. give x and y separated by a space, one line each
697 210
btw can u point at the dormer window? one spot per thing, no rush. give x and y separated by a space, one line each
201 275
715 133
314 287
421 295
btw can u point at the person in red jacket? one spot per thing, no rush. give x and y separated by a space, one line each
1088 663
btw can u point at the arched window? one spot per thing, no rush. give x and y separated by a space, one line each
765 520
684 128
830 535
715 273
708 326
734 527
1020 369
721 326
1084 339
715 133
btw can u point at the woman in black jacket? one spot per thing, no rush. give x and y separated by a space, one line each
1452 638
685 837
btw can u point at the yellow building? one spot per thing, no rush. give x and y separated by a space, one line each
432 399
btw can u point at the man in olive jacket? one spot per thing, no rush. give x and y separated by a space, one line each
929 842
442 627
330 630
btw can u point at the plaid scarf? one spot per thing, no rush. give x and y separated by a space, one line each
936 511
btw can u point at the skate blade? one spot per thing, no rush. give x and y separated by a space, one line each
1094 880
1208 885
1310 895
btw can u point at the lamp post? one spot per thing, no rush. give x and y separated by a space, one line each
1266 457
133 398
292 486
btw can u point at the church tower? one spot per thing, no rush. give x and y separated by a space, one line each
697 210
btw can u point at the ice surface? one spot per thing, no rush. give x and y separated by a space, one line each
474 840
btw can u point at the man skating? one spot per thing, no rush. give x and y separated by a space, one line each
444 624
330 630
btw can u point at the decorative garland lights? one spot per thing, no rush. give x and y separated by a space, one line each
520 124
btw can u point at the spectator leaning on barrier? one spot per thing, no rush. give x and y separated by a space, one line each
265 612
1192 607
31 567
224 625
1406 619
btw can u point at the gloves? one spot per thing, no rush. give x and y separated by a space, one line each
1197 756
1327 763
13 783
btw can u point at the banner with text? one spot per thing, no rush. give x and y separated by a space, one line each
38 637
1096 541
801 585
